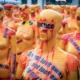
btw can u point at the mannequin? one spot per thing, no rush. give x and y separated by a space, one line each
4 43
32 12
67 24
9 19
63 8
4 48
16 10
37 9
47 61
68 39
67 11
25 33
72 27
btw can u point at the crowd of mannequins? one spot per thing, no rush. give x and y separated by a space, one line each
39 44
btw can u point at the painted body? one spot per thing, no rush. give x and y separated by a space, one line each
25 33
47 61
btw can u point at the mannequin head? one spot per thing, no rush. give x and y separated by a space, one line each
50 6
67 9
48 26
16 11
45 6
32 11
37 8
8 9
78 17
15 7
57 8
62 7
25 10
73 11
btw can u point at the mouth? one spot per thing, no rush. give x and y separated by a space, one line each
42 34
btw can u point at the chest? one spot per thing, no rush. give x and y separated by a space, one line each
9 22
72 25
70 46
45 68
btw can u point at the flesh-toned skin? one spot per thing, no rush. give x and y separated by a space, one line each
25 35
47 61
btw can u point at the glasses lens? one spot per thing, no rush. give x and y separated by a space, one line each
45 25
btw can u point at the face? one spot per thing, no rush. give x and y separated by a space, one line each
78 18
73 11
32 10
8 11
25 13
45 31
37 9
67 8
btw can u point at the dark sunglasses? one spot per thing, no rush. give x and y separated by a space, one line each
45 25
78 18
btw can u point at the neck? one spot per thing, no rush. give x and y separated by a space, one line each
48 45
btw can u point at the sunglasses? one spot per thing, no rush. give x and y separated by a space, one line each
78 18
45 25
